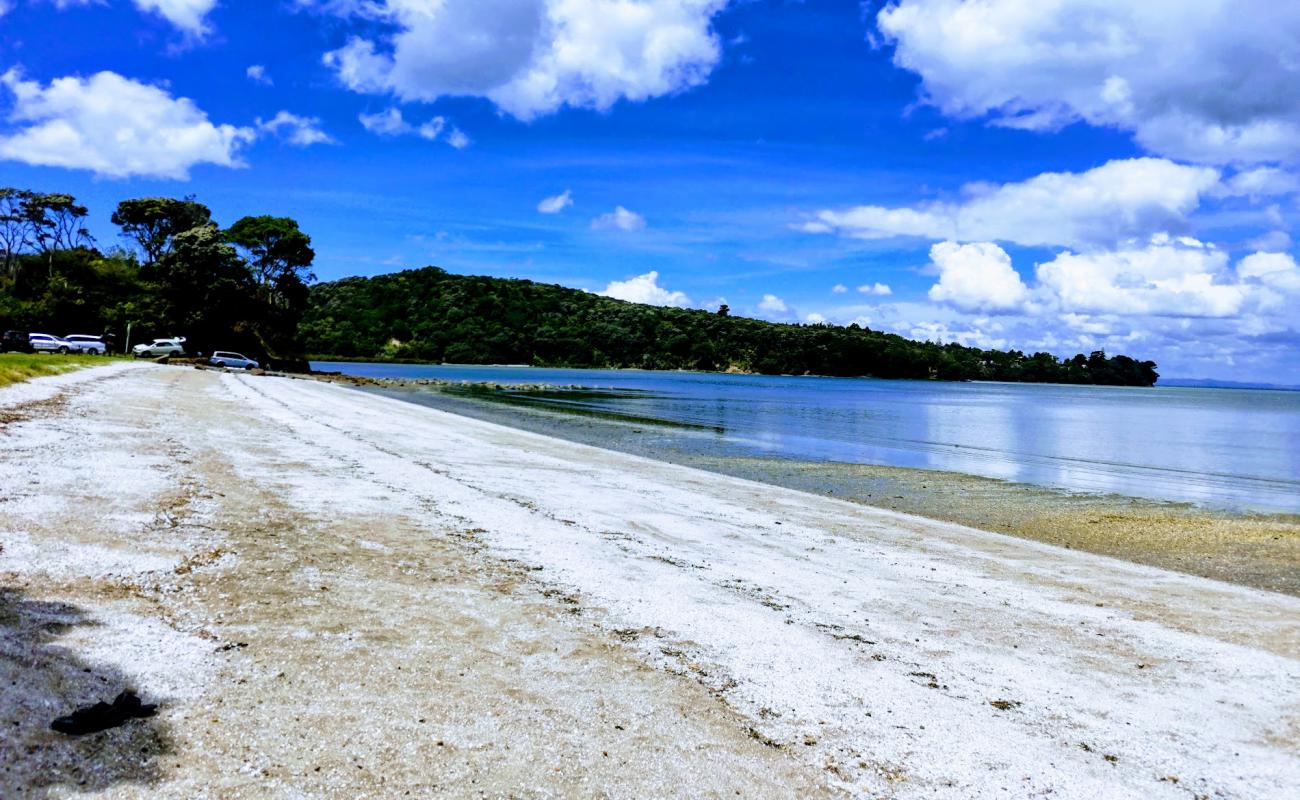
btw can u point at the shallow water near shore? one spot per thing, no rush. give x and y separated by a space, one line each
1253 549
1235 450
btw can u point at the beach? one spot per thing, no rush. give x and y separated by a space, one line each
1248 547
335 593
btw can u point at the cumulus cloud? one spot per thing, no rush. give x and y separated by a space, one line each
1274 270
1119 200
557 203
773 304
1211 82
839 288
878 289
190 16
115 127
297 131
257 74
529 57
390 122
645 289
815 319
976 277
619 219
1166 277
1260 182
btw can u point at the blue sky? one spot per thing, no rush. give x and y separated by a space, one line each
930 167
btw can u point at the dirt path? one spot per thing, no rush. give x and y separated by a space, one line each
337 595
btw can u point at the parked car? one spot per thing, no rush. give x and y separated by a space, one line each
160 347
15 341
45 343
84 343
233 360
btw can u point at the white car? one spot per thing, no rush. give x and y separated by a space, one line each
45 343
222 358
159 347
83 343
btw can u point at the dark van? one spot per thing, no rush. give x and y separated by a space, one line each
15 341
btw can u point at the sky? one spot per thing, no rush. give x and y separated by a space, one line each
1063 176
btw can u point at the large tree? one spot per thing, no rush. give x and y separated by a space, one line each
57 223
279 257
278 253
154 222
204 288
15 227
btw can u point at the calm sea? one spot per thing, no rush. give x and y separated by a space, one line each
1224 448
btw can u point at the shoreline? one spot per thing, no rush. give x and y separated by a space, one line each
729 371
1250 549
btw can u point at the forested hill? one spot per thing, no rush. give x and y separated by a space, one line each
431 315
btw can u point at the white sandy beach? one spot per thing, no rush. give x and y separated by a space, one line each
335 594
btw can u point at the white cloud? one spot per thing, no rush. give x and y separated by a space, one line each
257 74
1117 201
942 333
115 127
619 219
557 203
297 131
530 57
188 15
458 139
645 289
976 277
1271 241
815 319
385 123
1274 270
1261 182
1211 82
839 288
772 304
390 122
432 129
878 289
1167 277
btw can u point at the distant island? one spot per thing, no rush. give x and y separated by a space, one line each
1211 383
432 315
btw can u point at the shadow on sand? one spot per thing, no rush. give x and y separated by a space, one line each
41 680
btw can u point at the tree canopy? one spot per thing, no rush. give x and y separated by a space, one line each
152 222
184 277
432 315
276 250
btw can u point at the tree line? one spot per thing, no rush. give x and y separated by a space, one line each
178 273
249 287
431 315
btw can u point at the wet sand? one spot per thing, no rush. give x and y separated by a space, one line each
1258 550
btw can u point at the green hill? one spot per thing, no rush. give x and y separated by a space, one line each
432 315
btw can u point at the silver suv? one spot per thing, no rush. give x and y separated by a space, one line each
83 343
160 347
45 343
